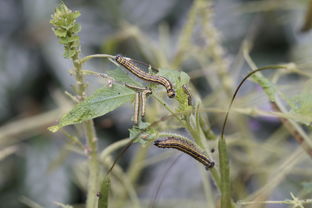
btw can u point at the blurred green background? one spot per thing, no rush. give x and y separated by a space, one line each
37 167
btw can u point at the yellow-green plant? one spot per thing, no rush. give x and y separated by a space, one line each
182 115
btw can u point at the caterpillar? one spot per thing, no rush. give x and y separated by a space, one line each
186 146
130 66
144 94
189 95
140 101
136 108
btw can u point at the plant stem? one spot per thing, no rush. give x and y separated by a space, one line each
87 58
196 135
113 147
93 163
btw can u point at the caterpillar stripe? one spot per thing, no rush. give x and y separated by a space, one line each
130 66
186 146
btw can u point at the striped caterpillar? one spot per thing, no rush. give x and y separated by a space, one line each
186 146
130 66
140 101
189 95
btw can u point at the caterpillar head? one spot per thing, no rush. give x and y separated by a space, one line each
211 165
171 93
118 57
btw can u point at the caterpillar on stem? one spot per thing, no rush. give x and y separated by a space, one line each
130 66
140 101
188 147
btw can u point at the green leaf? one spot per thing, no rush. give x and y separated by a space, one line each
60 32
103 195
184 78
103 101
76 28
54 128
120 76
182 98
301 105
70 52
141 133
266 85
176 77
75 45
75 14
67 40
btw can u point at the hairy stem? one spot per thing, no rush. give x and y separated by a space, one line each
93 164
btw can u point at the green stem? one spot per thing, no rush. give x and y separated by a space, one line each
197 138
80 86
87 58
169 109
113 147
168 134
225 174
195 135
93 164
